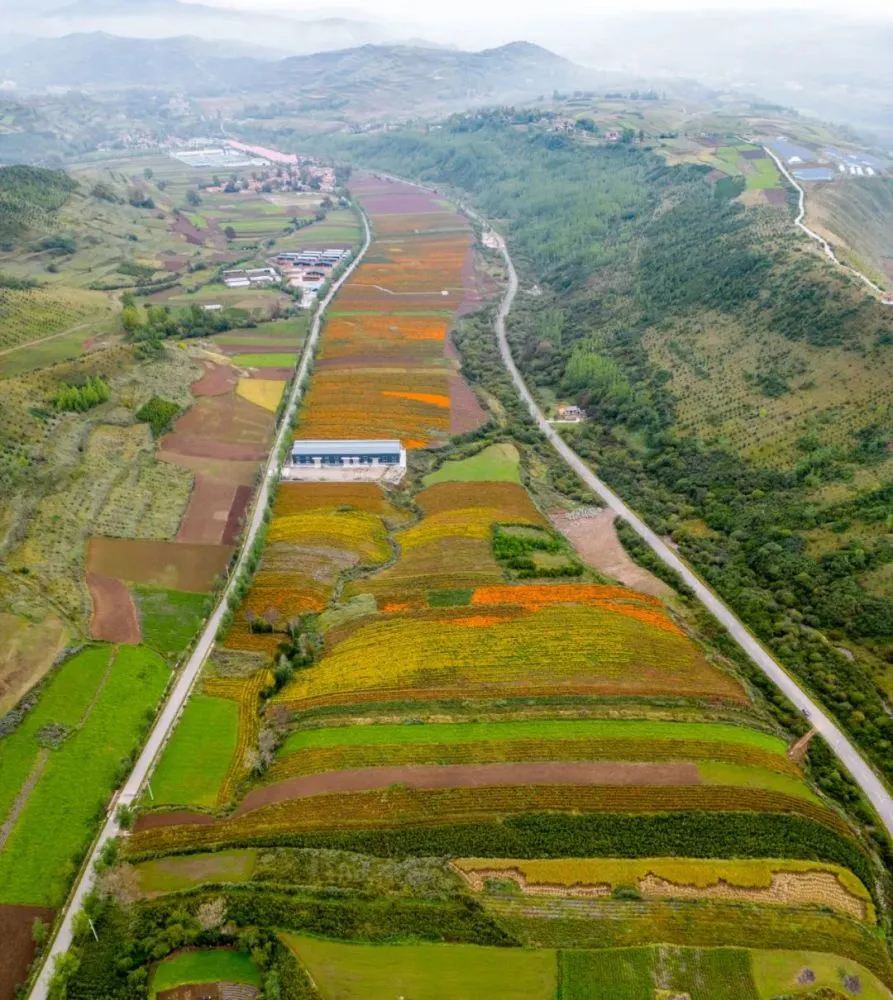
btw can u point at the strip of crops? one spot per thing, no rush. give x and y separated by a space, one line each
614 924
342 758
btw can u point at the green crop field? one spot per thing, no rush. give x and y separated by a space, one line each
169 618
620 973
265 360
779 973
424 971
84 729
499 462
221 965
208 732
473 732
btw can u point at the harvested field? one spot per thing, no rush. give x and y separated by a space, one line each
595 541
114 616
473 776
237 512
170 817
239 473
224 426
466 412
218 380
27 653
169 565
782 882
208 512
18 946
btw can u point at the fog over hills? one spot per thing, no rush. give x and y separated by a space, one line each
99 61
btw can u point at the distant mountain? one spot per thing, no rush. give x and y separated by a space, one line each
98 61
371 76
171 18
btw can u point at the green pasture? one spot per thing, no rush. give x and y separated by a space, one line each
498 463
759 175
88 722
220 965
618 973
778 973
265 360
51 351
169 618
195 762
173 874
549 729
742 776
425 971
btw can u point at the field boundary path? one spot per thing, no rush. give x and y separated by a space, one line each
825 245
849 756
170 712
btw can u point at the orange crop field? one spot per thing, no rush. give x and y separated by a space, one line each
361 403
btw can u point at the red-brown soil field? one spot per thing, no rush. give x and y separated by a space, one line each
170 565
473 776
114 613
16 944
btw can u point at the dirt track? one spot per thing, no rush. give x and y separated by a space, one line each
473 776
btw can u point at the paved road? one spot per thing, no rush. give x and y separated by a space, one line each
849 756
801 215
167 719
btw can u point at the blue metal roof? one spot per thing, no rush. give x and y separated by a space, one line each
345 447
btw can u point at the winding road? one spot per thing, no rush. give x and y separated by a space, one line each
823 243
849 756
170 713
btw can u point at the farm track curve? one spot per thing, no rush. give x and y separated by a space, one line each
170 711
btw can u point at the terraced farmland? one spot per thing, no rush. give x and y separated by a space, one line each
422 761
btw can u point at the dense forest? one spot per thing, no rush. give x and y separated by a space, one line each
620 243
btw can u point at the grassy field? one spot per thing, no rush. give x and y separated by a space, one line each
782 972
551 729
173 874
217 966
169 618
265 360
424 971
195 762
95 710
499 462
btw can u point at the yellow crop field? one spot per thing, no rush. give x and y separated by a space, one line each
764 880
265 392
561 647
357 531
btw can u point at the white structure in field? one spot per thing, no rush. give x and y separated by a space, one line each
340 461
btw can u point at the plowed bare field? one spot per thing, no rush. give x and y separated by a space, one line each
473 776
170 565
16 944
114 613
208 512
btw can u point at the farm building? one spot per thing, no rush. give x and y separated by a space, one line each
250 277
346 460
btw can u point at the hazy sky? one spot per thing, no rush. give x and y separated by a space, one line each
535 10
